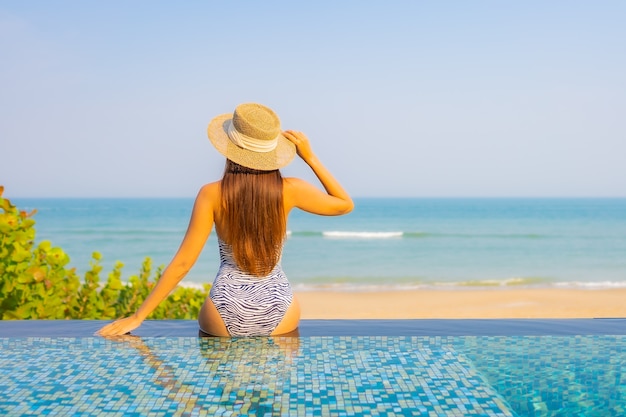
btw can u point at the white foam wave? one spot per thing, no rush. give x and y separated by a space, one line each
361 235
512 285
191 284
592 284
343 287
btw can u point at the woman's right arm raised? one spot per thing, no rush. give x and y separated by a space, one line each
301 194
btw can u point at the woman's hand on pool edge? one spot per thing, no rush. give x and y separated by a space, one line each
120 327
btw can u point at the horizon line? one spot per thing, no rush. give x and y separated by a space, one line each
399 197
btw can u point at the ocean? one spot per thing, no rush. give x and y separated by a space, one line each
384 244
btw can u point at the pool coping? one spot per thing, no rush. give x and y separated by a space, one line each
370 327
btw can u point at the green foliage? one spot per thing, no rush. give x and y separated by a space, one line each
36 283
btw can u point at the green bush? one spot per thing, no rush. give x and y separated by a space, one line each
36 282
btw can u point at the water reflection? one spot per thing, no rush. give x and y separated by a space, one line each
240 375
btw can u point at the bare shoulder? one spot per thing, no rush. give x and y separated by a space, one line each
209 194
211 188
291 191
292 186
291 183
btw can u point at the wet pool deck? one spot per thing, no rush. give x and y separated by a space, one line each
417 327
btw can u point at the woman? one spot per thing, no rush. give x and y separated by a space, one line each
249 208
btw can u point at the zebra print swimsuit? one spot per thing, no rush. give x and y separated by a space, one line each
249 305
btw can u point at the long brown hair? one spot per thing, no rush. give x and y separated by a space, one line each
253 217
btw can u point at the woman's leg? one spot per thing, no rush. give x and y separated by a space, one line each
210 320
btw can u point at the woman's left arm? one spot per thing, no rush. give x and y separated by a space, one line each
198 231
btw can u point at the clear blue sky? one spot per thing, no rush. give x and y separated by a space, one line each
399 98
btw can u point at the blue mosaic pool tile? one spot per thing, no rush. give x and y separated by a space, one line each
553 375
317 376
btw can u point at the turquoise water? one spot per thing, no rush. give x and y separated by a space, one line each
390 243
544 376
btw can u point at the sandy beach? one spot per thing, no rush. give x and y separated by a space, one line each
465 303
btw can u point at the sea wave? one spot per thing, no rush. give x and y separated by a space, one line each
507 282
362 235
592 285
194 285
368 234
511 283
336 234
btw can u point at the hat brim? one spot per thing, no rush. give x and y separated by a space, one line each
281 156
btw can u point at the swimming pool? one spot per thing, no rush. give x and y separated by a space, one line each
495 368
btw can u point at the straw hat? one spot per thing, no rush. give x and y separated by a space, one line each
251 137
